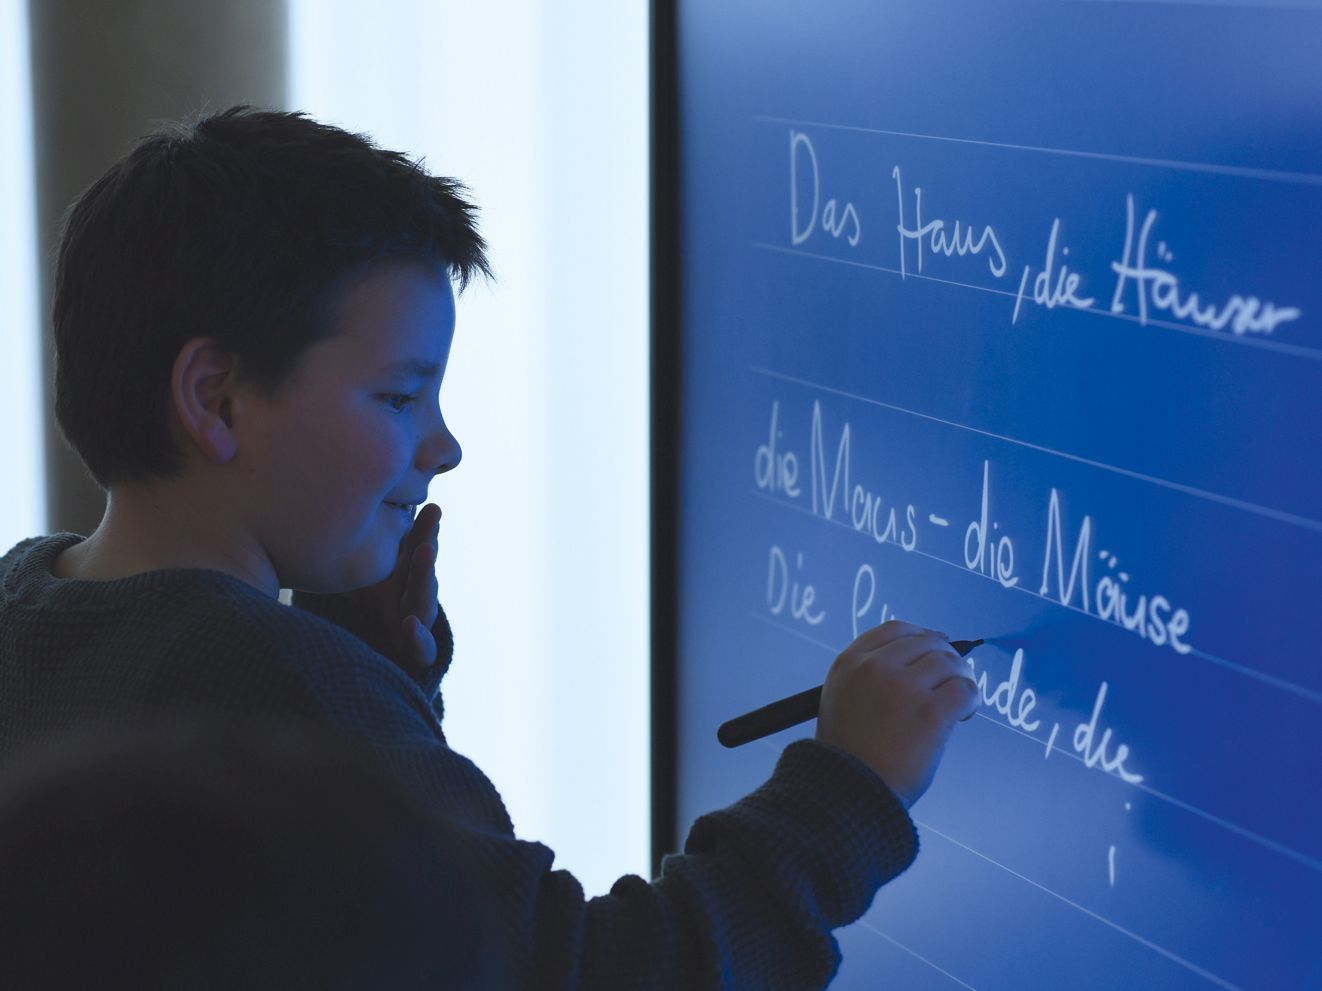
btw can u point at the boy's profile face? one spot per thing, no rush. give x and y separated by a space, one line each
293 491
358 426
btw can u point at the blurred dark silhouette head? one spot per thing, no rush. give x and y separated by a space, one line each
202 856
246 227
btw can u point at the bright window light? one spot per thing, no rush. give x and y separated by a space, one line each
543 553
23 497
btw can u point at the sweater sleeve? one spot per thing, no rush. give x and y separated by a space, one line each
750 903
803 854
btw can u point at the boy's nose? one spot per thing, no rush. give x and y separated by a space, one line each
450 455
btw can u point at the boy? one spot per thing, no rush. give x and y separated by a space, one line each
252 318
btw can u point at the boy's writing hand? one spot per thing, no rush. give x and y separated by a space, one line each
892 698
402 608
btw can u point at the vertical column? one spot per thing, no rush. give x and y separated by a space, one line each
102 75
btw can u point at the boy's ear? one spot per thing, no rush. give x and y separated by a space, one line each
202 385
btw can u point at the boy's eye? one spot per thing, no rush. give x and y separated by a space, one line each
391 397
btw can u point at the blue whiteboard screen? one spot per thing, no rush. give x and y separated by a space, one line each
1004 318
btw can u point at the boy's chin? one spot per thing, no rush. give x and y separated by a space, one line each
365 576
368 577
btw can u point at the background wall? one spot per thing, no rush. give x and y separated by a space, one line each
23 501
543 550
102 76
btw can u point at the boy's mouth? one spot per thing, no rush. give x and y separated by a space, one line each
403 507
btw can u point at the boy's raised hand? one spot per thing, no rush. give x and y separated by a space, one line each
891 698
402 608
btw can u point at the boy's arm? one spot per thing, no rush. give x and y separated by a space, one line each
753 899
749 904
765 880
761 884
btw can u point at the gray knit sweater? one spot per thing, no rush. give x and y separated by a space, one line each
750 903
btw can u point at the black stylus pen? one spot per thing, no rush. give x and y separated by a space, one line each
789 711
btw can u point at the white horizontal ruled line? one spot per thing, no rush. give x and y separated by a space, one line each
917 956
792 631
1240 171
1310 862
1207 975
1303 691
1254 5
1279 515
1266 842
1192 967
1266 344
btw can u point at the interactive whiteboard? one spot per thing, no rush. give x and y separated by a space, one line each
1004 319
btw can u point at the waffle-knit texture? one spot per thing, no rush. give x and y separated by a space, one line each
750 903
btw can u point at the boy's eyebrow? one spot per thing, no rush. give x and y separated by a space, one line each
413 366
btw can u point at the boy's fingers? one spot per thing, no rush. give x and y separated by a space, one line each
427 577
426 643
881 635
419 532
412 600
890 630
424 524
903 651
419 598
935 667
960 695
418 647
424 532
